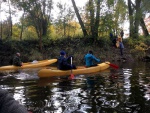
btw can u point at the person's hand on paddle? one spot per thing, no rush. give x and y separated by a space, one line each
21 64
72 67
69 57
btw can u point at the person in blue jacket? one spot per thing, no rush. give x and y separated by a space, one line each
90 58
63 62
121 46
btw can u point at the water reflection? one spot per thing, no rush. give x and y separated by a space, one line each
144 82
116 91
127 85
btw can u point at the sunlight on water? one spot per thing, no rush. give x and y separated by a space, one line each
124 90
127 85
145 86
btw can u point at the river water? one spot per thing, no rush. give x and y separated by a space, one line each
126 90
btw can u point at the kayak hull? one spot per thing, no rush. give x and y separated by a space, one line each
80 70
29 65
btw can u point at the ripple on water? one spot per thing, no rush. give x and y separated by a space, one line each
128 92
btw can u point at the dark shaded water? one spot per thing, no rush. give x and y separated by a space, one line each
126 90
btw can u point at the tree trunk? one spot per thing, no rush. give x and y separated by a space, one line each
39 33
139 15
97 19
10 20
130 18
44 26
40 42
1 31
64 25
21 31
137 19
40 38
44 19
91 9
79 18
22 24
144 28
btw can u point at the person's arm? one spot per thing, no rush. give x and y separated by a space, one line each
96 59
69 58
9 105
65 62
17 61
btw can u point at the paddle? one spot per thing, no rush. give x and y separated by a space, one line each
113 65
71 75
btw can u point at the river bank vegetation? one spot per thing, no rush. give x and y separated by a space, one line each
38 35
103 48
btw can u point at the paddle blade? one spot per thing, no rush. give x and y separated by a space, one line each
114 66
72 76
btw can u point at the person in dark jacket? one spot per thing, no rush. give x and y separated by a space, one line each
63 62
111 36
16 60
122 34
89 58
9 105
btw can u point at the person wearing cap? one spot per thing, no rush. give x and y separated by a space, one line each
63 62
16 60
89 58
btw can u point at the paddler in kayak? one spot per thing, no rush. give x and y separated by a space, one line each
89 59
63 62
16 60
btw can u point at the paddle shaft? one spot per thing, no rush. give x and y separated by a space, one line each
71 65
71 75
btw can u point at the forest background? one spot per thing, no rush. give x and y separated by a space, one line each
39 34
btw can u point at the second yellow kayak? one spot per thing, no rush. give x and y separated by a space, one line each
34 64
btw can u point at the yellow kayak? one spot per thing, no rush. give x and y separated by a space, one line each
49 72
33 64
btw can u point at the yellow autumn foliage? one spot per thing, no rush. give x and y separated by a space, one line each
30 33
142 47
